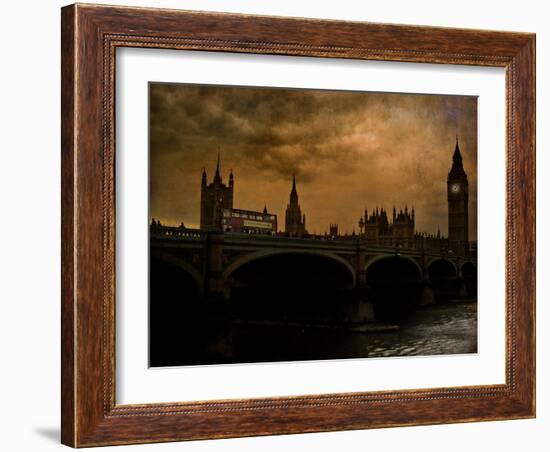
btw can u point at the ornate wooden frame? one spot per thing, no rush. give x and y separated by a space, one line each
90 35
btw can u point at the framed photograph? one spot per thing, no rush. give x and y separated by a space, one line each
281 225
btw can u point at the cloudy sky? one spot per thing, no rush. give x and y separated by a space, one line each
348 150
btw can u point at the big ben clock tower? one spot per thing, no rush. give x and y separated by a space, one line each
457 197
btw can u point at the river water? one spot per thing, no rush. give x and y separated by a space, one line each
443 329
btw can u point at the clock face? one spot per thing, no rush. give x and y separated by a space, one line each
455 188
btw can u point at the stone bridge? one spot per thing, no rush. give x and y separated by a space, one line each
212 258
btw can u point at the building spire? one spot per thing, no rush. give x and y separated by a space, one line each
294 192
217 177
295 222
457 157
457 169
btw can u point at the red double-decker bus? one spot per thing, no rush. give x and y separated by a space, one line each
248 221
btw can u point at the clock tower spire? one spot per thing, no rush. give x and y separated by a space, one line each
457 198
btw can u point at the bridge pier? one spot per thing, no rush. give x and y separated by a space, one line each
215 284
427 296
365 312
462 289
364 308
216 296
360 274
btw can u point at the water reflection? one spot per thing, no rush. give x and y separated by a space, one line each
449 328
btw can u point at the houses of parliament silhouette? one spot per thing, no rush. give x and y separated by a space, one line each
217 213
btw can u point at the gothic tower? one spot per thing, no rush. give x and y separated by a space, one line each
295 222
215 197
457 197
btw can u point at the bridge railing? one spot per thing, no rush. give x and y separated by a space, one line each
429 244
177 232
285 239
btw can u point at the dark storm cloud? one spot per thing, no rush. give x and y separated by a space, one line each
278 130
347 149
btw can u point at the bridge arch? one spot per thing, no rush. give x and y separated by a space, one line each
444 259
394 285
177 315
250 257
443 276
301 286
389 256
182 265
